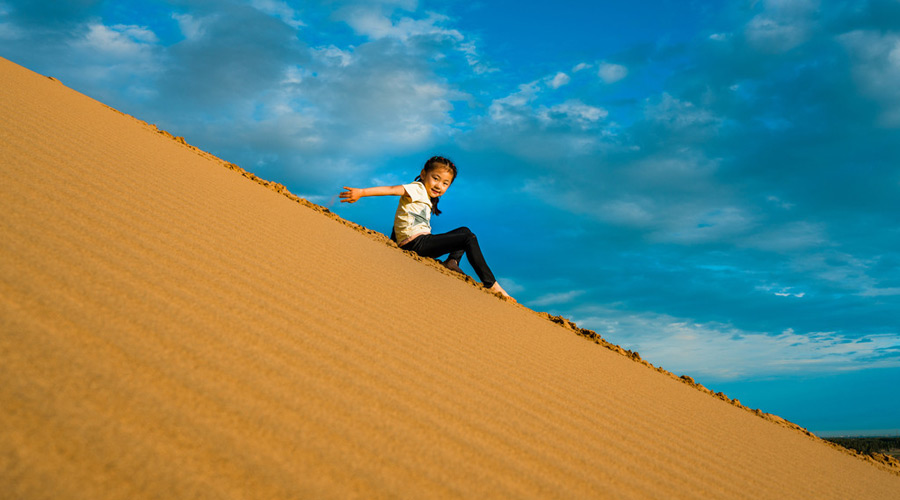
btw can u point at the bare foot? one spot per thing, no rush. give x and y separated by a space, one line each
453 265
496 288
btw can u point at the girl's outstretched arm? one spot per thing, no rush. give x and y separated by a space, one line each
350 195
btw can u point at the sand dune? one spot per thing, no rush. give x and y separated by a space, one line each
173 329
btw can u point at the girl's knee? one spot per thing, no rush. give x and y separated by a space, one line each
470 236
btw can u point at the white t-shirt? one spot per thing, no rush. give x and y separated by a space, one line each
413 217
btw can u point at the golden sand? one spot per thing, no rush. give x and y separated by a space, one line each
170 328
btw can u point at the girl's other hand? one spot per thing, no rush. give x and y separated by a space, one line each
350 195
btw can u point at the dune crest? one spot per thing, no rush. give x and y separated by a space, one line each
175 329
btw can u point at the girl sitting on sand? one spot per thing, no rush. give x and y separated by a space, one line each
412 222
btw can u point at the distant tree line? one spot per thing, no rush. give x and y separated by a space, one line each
869 445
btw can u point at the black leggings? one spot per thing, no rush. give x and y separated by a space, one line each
456 243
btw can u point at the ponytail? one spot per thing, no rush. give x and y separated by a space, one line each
431 164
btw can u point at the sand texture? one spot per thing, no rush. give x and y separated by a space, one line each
170 328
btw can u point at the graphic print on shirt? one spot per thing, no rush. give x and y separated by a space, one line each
420 218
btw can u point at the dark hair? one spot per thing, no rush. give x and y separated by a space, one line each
433 163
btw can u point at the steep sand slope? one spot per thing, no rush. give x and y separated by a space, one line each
171 329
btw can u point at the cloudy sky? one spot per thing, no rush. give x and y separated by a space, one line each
713 184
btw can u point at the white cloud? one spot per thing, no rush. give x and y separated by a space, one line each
778 202
119 40
510 285
333 104
628 212
612 73
555 298
781 291
677 114
333 55
514 107
787 237
558 80
191 27
580 67
119 55
782 25
474 58
774 36
294 75
373 23
522 106
669 200
279 9
880 292
573 113
723 352
876 69
354 104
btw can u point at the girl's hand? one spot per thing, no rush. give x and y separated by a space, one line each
350 195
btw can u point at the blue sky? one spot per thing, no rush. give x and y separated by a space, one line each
713 184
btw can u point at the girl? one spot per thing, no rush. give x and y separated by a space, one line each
412 222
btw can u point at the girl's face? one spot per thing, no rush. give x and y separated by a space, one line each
437 180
